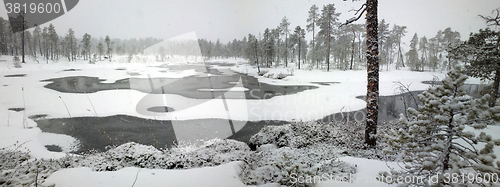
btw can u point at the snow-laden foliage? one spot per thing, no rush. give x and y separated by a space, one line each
284 165
212 153
266 165
434 140
480 55
345 136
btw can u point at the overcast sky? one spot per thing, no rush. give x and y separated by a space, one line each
230 19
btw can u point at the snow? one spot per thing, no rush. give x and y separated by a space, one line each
223 175
366 171
491 131
306 105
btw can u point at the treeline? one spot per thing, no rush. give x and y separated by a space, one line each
45 43
334 45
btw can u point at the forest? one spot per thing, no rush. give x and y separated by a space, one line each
333 45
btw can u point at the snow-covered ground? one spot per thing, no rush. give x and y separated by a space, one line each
17 130
223 175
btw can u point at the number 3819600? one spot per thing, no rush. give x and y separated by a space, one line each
33 8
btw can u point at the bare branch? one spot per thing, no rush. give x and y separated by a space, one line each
492 21
353 19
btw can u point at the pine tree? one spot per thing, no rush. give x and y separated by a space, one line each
433 53
481 54
423 47
435 139
269 49
108 45
37 35
72 45
252 50
399 32
412 54
311 27
46 43
450 38
53 41
327 24
383 35
100 49
298 39
285 30
86 45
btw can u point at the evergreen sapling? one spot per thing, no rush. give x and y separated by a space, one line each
438 150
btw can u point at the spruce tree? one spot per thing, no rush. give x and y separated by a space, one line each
436 141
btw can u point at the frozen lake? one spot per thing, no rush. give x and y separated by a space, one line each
210 84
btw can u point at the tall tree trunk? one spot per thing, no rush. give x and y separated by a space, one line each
496 86
257 55
313 51
22 41
278 52
286 49
329 43
299 53
496 81
400 54
352 51
373 70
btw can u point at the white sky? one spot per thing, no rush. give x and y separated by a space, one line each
230 19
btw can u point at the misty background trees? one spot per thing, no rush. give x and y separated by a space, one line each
333 47
330 47
44 44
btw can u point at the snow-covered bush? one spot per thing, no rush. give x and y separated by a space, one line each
18 170
126 155
269 164
281 75
17 62
434 138
212 153
346 136
286 164
296 135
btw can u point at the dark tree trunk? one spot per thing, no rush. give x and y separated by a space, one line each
299 53
373 70
257 55
22 40
286 49
400 55
329 43
496 86
352 51
278 52
496 82
313 51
